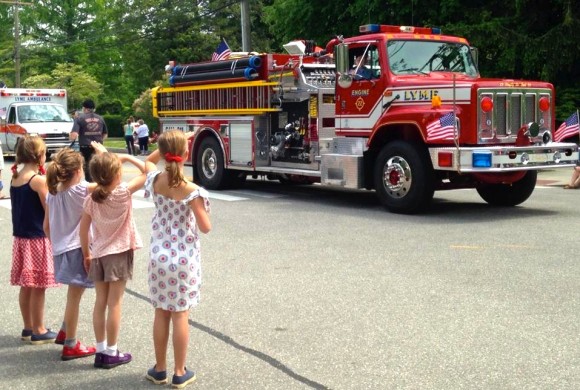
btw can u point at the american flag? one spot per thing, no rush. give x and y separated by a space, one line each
442 128
222 52
567 128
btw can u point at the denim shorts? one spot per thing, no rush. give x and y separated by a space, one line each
69 269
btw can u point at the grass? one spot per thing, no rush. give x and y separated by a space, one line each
119 143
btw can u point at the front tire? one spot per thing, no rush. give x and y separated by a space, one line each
210 165
507 195
404 178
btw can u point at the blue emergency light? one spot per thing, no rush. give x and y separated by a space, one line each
481 159
369 28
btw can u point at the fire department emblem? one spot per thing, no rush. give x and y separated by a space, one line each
360 103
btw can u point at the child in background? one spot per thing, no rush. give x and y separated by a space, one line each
109 260
64 204
32 264
174 272
128 131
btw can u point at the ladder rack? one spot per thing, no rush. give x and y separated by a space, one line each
243 98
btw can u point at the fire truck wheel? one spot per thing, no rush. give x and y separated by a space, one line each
509 194
210 165
403 178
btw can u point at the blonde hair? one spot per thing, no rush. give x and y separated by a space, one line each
104 169
62 168
29 149
174 143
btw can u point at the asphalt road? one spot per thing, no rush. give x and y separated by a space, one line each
306 287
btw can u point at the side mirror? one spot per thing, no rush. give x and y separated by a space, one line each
342 68
475 55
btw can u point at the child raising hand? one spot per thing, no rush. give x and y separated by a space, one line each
109 259
174 272
67 191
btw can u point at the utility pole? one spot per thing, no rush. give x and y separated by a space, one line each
17 4
245 25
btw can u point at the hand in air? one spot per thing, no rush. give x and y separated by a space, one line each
99 148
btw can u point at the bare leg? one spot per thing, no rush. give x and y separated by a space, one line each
24 301
99 312
115 298
180 340
161 338
37 310
575 179
71 312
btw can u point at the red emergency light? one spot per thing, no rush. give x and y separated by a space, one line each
376 28
445 159
544 104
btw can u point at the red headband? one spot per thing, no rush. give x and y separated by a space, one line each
171 157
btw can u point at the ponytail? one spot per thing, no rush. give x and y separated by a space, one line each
100 194
52 177
175 174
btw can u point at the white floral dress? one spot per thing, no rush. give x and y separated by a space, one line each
174 271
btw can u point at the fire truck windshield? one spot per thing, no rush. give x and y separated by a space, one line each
424 57
42 113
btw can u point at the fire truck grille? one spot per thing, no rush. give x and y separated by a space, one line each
511 110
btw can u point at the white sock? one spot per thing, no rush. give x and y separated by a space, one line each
111 350
101 346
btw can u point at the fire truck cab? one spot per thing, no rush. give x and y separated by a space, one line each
401 110
41 112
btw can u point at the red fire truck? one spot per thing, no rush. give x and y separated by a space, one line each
401 110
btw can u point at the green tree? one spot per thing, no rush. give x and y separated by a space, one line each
78 83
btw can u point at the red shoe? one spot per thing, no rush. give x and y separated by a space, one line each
79 351
60 337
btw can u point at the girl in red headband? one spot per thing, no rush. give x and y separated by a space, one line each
174 272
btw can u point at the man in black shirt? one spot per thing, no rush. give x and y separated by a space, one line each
88 127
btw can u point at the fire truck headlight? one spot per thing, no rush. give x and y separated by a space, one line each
525 158
547 137
481 159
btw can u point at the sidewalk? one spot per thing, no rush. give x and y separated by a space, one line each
554 177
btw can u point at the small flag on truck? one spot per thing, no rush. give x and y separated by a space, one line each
442 128
222 52
568 128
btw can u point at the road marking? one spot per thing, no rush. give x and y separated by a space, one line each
212 195
257 194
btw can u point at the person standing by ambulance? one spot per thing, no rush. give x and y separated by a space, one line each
88 127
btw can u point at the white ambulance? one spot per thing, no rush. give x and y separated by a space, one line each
41 112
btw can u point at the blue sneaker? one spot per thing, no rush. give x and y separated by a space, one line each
179 382
157 377
26 334
45 338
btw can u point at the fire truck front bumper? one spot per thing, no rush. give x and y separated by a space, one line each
505 158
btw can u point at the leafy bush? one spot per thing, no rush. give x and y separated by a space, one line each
114 125
115 107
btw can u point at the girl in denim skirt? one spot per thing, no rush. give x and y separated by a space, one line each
67 191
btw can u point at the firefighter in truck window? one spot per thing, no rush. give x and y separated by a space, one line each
365 63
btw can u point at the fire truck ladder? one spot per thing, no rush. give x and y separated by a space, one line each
243 98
